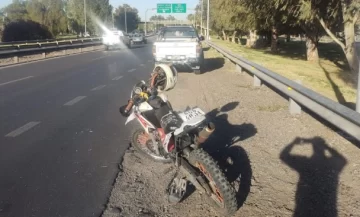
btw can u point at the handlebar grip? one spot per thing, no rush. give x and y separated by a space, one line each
129 105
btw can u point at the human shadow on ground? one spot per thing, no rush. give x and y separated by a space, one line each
233 160
316 193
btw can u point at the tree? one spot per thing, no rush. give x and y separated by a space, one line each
132 17
157 17
16 11
170 17
96 10
21 30
330 12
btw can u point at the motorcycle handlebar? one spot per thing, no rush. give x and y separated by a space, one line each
129 105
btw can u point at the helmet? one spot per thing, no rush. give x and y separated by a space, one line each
164 77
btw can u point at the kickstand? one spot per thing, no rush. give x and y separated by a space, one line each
177 190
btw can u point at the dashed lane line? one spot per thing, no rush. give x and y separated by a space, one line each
22 129
75 100
131 70
20 79
117 78
98 87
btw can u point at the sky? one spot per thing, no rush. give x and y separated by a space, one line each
142 5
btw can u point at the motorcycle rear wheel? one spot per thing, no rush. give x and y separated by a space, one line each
223 192
144 149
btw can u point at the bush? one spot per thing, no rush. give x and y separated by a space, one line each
23 30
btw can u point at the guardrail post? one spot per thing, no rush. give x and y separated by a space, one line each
16 59
64 52
294 107
257 81
80 49
44 55
238 68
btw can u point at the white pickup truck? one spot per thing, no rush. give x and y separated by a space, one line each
179 45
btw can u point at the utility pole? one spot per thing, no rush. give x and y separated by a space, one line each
208 20
201 17
85 15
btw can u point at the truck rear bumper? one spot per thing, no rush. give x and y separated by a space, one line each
192 62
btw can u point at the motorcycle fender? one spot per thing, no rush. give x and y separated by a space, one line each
130 118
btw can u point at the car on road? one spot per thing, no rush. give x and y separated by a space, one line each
138 39
116 38
179 45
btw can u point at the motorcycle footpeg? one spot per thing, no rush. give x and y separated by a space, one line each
177 190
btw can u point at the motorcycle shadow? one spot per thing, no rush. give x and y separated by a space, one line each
232 159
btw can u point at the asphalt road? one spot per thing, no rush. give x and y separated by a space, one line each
61 135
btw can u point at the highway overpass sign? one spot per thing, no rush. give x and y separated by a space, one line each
164 8
178 8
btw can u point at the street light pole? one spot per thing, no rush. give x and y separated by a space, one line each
113 20
125 20
208 20
358 91
85 15
146 19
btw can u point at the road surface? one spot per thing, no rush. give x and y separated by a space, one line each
61 135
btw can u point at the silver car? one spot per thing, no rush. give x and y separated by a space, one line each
138 39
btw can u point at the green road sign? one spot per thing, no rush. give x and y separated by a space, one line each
178 8
164 8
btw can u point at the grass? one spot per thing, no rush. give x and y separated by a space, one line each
330 77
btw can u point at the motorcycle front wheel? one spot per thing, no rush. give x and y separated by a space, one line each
222 192
141 141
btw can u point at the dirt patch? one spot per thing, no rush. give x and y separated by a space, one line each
34 57
282 165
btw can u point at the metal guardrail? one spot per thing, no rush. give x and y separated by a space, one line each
340 116
44 44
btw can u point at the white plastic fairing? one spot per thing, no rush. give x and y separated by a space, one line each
130 118
145 107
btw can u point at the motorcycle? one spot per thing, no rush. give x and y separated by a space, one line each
167 136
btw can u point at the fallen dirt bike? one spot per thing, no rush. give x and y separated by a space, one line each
176 137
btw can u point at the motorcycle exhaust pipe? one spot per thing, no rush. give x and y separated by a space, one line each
205 133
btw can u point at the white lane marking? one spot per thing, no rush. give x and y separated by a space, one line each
20 79
141 64
131 70
99 58
22 129
98 87
75 100
117 78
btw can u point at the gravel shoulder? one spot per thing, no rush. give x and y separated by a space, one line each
287 165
